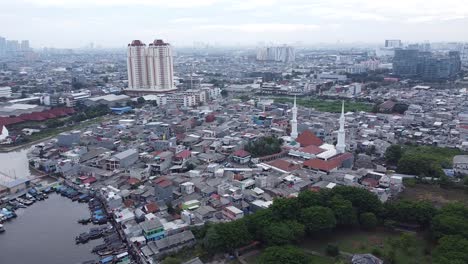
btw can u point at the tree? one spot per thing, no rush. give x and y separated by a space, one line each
227 236
171 260
362 199
308 198
282 233
285 208
393 154
332 250
400 108
282 255
344 211
413 212
224 93
213 242
258 222
141 100
451 250
407 242
318 219
452 219
368 220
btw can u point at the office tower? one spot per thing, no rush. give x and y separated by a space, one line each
150 68
25 45
426 65
405 62
392 43
2 46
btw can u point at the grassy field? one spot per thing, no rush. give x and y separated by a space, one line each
252 259
333 106
435 194
365 242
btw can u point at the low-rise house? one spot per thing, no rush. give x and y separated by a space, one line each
460 164
165 246
241 156
123 159
232 213
152 229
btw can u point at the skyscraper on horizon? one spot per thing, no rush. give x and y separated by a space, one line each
150 68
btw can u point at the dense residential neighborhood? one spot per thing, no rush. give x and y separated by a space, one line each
244 155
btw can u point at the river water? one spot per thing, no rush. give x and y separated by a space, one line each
44 233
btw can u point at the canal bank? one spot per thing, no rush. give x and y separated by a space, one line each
45 233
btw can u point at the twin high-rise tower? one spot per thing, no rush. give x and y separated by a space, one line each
150 68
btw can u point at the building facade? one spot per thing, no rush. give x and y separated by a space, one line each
150 68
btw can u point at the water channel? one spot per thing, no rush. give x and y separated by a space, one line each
45 233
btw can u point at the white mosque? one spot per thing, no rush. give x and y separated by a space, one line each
317 154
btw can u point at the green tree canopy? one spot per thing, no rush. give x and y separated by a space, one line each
318 219
451 250
368 220
283 255
344 211
393 154
362 199
414 212
282 233
452 219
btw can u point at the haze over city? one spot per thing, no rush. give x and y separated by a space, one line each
75 23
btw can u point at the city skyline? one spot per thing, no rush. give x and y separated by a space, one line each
68 24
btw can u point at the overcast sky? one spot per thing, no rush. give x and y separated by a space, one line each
114 23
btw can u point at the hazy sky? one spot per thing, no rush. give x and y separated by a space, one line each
114 23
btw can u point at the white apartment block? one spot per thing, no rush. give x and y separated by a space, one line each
150 68
5 92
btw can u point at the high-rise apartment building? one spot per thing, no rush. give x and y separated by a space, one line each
24 45
464 55
12 46
2 46
392 43
281 54
150 68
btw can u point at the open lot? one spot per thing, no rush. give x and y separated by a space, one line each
435 194
357 241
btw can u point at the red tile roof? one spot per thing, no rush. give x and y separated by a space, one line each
308 138
133 181
151 207
162 182
241 153
327 165
311 150
183 154
284 165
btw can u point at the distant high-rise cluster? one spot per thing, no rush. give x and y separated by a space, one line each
426 65
13 47
150 68
392 43
464 55
279 53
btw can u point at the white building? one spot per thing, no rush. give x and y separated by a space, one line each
5 92
3 133
150 68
